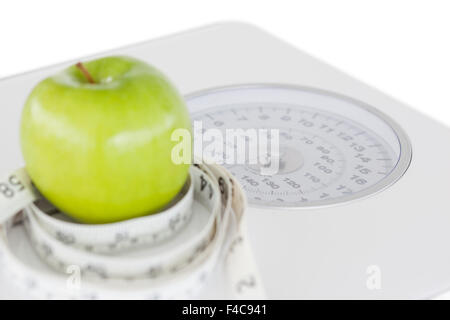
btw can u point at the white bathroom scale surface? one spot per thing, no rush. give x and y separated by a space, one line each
360 207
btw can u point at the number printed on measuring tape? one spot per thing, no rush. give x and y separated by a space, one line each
13 185
16 192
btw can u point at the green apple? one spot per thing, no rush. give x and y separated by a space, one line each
96 139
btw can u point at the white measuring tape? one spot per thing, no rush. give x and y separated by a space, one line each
170 254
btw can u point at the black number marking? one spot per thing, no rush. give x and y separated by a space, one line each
6 190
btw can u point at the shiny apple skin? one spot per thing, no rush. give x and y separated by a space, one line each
102 152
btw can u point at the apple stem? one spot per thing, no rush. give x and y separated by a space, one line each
86 73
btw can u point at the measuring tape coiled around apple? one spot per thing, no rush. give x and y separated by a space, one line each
112 237
170 254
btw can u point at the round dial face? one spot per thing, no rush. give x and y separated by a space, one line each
331 148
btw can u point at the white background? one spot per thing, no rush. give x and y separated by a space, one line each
400 47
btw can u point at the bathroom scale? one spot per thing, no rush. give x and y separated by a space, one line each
358 208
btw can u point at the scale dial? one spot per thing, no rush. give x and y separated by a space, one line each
332 148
